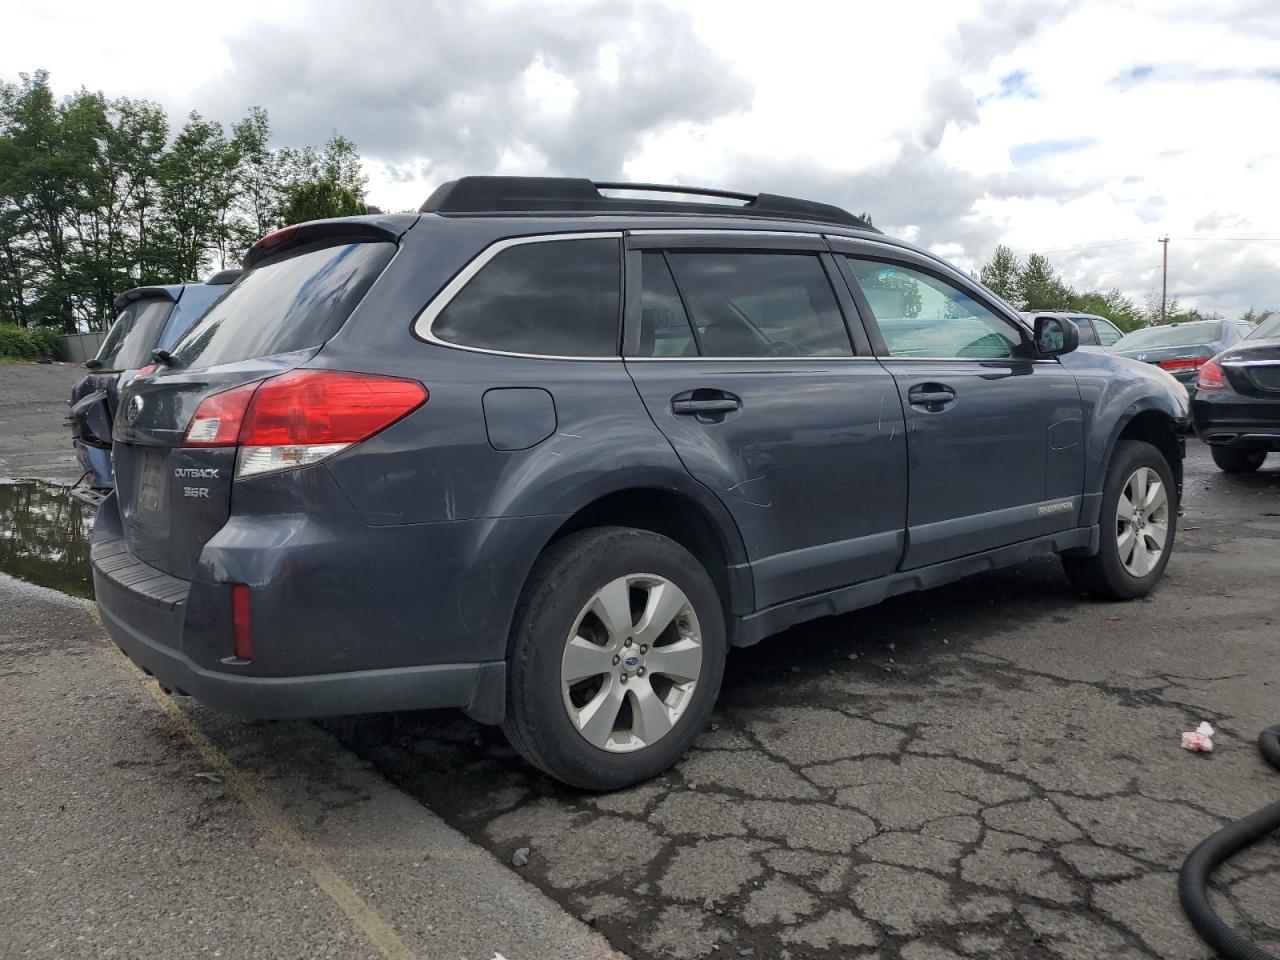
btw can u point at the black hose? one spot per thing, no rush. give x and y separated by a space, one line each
1193 880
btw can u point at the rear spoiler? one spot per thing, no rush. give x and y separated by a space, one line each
142 293
223 277
318 230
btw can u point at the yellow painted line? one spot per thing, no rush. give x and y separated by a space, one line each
353 906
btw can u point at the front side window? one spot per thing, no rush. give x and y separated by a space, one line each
550 298
922 316
1108 333
751 305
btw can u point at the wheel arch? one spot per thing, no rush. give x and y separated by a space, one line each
696 524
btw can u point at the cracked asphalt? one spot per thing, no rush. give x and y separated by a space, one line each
991 769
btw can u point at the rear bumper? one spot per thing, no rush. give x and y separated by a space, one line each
179 632
476 688
147 628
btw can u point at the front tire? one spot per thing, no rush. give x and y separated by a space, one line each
617 654
1231 460
1138 523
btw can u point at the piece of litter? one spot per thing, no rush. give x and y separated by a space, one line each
1199 740
1111 619
498 956
211 777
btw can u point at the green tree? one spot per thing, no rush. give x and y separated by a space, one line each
1002 275
1040 287
197 186
259 173
323 184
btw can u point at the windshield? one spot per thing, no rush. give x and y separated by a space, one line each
1181 335
1267 330
133 336
291 303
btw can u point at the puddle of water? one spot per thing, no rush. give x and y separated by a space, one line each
44 536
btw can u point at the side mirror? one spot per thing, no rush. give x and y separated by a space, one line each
93 364
1055 336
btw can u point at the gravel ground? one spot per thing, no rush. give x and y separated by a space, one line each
34 440
990 769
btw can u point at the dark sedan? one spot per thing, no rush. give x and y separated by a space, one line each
1236 406
1182 348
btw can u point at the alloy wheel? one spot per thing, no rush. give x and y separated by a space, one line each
1142 521
631 663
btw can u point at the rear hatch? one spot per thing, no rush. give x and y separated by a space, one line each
302 285
1253 368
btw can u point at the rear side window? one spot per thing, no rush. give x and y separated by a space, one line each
758 305
295 302
549 298
1087 336
1107 333
133 336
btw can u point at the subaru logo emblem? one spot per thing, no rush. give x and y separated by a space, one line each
134 410
632 662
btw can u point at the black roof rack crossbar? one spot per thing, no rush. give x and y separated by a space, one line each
494 196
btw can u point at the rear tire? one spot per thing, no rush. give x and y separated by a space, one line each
617 653
1231 460
1138 524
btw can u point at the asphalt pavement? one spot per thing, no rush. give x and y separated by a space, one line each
990 769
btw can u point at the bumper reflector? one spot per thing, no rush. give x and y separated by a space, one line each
241 629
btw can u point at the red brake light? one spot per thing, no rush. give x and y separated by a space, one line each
327 406
1210 376
277 238
218 419
241 626
1186 363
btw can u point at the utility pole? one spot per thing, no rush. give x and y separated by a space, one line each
1164 279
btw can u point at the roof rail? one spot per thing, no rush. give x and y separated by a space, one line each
564 195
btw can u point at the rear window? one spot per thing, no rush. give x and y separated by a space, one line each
133 336
293 303
550 298
1182 335
1267 329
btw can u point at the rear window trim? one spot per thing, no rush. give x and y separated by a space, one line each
422 324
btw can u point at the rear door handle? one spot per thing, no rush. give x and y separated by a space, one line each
932 396
704 406
705 403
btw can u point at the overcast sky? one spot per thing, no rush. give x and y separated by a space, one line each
1081 130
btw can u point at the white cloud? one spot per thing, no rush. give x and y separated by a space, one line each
1046 125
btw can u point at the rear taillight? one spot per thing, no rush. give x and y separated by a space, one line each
301 417
1210 376
219 417
1184 363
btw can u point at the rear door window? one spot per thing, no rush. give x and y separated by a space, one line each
133 336
664 326
756 305
291 303
552 298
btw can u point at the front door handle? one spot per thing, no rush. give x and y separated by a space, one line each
932 396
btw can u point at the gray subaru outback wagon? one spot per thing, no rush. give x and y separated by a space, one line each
544 454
